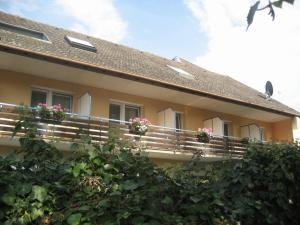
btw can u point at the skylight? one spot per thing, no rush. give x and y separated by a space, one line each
82 44
23 31
182 72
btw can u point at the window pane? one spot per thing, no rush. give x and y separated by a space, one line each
114 111
38 97
131 112
226 129
178 120
63 100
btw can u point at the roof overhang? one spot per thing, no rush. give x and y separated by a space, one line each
57 68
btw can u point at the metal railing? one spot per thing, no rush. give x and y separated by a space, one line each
157 138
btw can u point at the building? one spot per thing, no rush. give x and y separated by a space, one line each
100 80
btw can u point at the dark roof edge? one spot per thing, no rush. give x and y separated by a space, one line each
131 76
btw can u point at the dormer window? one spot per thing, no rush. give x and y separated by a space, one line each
181 72
82 44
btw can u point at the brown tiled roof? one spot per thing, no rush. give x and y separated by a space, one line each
129 62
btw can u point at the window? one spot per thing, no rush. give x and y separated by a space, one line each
82 44
123 111
23 31
115 111
51 98
181 72
226 129
178 123
38 96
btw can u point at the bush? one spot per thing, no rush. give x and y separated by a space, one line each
108 184
264 187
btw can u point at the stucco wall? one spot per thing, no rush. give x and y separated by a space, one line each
16 88
283 131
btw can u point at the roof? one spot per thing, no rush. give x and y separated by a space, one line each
129 62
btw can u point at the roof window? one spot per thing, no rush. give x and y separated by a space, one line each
23 31
85 45
182 72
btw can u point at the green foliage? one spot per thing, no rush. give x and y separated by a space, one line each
263 188
108 184
253 9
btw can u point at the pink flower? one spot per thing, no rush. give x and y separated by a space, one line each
205 130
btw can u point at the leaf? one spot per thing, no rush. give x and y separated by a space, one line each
35 213
251 13
108 166
194 199
139 220
167 200
39 193
74 219
130 185
289 1
278 4
8 199
74 147
24 219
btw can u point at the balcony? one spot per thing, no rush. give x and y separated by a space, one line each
159 142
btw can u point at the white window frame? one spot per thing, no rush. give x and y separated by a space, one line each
49 95
122 105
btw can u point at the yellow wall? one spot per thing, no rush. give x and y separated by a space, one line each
283 131
15 88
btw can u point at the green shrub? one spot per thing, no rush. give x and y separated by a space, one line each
264 187
108 184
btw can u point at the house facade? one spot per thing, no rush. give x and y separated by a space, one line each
108 83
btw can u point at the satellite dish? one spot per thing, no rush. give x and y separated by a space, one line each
269 89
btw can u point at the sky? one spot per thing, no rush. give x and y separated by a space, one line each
210 33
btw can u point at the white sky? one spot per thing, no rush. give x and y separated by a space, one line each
98 17
267 51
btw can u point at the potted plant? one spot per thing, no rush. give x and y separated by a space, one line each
204 134
58 113
54 114
139 125
43 112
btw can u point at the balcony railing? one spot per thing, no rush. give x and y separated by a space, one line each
160 139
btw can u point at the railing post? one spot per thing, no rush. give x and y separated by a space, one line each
177 135
226 143
100 131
